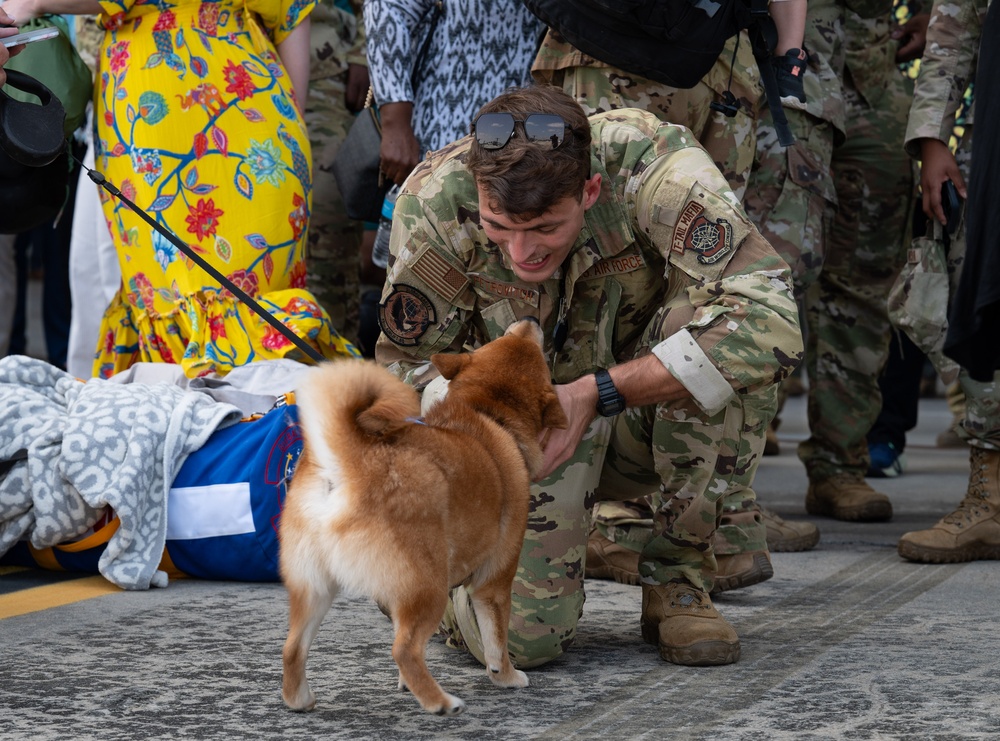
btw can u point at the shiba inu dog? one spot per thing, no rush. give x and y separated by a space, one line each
401 509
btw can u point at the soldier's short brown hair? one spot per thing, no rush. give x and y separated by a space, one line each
524 179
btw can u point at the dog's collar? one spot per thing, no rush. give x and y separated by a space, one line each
416 420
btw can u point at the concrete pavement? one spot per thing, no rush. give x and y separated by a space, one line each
847 641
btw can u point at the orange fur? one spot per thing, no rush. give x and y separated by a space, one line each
401 511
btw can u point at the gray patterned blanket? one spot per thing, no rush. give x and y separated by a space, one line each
69 449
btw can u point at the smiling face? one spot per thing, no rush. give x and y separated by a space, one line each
536 248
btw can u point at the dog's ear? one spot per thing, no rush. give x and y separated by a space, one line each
553 414
450 363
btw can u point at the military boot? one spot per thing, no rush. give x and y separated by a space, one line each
847 496
682 621
971 532
788 537
608 560
739 570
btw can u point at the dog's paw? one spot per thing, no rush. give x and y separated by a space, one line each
512 678
452 706
300 702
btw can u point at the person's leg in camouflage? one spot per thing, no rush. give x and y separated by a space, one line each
547 597
791 198
848 326
334 244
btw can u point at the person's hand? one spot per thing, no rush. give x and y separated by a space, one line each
19 12
579 402
937 165
912 37
400 151
7 28
357 87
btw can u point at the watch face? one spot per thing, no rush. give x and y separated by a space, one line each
612 407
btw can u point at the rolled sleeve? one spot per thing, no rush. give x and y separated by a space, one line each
689 364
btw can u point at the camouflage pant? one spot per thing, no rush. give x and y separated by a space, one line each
687 459
731 144
791 195
334 246
848 331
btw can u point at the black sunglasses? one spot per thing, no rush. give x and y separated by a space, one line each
494 130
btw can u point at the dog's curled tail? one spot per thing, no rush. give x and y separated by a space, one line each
354 397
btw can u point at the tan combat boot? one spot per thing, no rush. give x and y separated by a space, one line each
788 537
739 570
971 532
847 496
682 621
608 560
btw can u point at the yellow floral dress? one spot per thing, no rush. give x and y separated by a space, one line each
196 123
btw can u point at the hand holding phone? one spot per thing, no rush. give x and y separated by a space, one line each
39 34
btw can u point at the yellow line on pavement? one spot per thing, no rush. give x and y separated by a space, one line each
54 595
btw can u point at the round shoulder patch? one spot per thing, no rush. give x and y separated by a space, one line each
405 315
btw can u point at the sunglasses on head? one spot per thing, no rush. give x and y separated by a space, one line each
495 130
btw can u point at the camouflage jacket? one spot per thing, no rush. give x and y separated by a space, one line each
870 52
556 53
948 63
665 237
336 39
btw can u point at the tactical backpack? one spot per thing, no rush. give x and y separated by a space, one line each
675 42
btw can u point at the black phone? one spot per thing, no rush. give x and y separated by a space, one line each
951 204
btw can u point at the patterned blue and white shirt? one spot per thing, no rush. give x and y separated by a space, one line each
479 49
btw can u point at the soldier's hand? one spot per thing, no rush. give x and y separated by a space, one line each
579 402
912 37
400 151
937 166
357 87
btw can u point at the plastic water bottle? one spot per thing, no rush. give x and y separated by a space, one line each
380 252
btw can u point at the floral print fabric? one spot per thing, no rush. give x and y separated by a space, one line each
196 124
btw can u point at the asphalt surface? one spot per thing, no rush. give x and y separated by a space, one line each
847 641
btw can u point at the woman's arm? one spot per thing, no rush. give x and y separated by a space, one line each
294 53
22 11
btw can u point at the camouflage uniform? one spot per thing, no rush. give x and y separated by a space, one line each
836 206
948 64
791 195
667 263
333 251
730 142
598 87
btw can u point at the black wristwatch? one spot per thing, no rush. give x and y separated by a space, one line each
609 401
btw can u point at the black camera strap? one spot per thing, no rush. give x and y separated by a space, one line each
301 344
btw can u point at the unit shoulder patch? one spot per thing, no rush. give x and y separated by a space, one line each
405 315
711 239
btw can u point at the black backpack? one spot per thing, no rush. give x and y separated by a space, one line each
675 42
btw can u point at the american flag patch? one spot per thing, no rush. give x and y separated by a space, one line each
439 275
